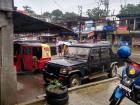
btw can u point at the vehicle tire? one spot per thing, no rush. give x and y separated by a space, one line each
113 71
61 101
116 102
113 102
75 80
53 95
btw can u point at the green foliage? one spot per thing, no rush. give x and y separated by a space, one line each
46 14
96 13
28 9
68 16
130 9
54 84
57 13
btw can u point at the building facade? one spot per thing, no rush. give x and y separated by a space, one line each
132 22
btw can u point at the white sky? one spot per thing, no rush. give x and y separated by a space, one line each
40 6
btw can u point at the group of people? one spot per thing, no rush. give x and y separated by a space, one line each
61 48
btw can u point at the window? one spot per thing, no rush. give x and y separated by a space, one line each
16 49
95 56
95 52
81 52
27 51
37 51
105 52
105 55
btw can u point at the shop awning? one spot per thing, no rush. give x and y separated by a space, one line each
118 32
122 30
27 24
99 28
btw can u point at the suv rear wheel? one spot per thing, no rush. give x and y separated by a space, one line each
113 71
75 80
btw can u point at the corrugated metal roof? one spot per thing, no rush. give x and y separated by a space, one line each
27 24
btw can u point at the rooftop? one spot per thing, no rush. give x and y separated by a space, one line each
127 15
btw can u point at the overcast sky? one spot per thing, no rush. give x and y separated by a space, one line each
40 6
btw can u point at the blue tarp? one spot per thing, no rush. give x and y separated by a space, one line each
108 28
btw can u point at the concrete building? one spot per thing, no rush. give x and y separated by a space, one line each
132 22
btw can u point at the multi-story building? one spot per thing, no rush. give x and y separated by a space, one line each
129 29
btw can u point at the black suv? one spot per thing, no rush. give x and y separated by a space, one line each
83 61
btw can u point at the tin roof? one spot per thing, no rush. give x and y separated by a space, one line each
127 15
27 24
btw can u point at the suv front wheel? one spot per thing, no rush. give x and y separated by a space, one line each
113 71
75 80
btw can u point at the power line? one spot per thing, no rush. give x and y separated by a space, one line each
58 5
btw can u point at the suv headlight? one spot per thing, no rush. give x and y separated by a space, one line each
63 70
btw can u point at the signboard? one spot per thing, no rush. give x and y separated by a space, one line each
99 28
121 32
108 28
122 28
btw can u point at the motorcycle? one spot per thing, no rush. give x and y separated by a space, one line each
129 85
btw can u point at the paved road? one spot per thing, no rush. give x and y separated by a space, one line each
95 95
30 86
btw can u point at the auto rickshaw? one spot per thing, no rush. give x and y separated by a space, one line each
31 56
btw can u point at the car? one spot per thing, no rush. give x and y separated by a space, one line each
83 61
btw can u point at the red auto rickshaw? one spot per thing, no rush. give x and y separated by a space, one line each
31 56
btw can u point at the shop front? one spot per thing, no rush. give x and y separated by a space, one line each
123 36
135 38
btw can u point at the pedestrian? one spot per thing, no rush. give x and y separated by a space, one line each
56 46
60 49
65 49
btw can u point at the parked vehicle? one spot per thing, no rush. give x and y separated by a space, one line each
83 61
130 83
31 56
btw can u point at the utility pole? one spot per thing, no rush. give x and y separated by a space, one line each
80 19
106 4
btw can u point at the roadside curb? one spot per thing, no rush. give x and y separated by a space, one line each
92 84
41 98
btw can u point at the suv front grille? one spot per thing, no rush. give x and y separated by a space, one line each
51 68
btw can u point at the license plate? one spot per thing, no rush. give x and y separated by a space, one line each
124 87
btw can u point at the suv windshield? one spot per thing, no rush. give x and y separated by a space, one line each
78 52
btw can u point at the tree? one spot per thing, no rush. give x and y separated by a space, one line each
130 9
57 13
47 14
102 9
28 9
95 13
70 16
